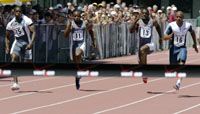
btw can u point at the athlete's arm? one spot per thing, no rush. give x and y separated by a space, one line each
155 23
32 30
7 38
194 39
91 32
134 26
168 34
7 41
67 29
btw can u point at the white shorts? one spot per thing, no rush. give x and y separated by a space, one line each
73 49
18 48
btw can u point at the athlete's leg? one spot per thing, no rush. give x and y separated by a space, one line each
80 50
182 56
76 54
16 55
15 86
79 55
143 51
14 58
178 84
173 56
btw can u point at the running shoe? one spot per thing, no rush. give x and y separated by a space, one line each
144 79
15 87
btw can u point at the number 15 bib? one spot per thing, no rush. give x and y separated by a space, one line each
145 32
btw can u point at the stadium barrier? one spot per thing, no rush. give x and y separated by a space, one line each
112 40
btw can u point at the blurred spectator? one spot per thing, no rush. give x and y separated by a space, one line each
155 8
34 16
150 10
48 18
102 13
198 27
61 18
2 20
28 7
103 4
119 2
172 14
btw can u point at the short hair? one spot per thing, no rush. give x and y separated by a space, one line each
18 7
78 11
180 13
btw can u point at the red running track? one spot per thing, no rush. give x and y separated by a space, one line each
158 58
99 95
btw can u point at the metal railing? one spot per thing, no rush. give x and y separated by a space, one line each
112 40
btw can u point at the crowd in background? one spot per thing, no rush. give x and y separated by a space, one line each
97 13
102 13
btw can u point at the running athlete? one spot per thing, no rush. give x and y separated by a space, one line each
176 32
144 26
77 27
24 32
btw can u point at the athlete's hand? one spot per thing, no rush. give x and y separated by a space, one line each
171 35
29 46
195 48
168 37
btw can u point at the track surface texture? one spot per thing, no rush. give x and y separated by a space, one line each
99 95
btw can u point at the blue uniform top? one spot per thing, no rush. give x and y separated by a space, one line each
78 33
145 32
180 33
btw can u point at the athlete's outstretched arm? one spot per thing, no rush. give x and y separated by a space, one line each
67 29
194 39
157 28
32 29
134 25
168 34
7 41
91 32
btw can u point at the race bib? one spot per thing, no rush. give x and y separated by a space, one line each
179 40
19 31
78 35
145 32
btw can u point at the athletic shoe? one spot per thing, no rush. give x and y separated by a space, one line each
144 79
77 80
15 87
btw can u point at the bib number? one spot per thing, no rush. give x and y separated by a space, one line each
19 32
179 40
145 32
78 35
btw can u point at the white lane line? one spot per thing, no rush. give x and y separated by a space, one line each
27 81
192 107
58 87
142 100
79 98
